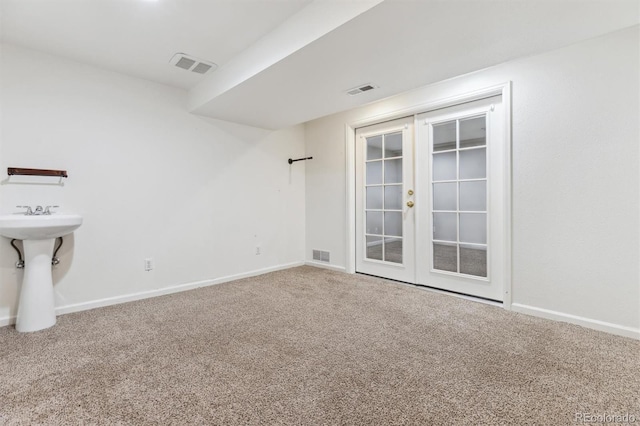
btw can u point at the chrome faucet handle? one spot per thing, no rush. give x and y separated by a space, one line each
39 210
29 212
47 210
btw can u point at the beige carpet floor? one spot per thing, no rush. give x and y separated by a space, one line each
308 346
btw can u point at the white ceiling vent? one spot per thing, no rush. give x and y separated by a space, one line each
191 63
361 89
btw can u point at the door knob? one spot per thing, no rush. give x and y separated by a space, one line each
410 203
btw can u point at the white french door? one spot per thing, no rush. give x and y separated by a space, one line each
385 231
440 222
460 167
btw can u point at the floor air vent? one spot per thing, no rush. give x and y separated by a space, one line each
191 63
322 256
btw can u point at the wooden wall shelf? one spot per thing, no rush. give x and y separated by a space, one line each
36 172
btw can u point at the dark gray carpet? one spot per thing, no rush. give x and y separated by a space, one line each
392 251
307 346
472 261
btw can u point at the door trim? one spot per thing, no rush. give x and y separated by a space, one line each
504 90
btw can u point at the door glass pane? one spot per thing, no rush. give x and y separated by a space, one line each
473 228
444 166
393 145
393 197
374 197
473 196
459 195
374 223
444 136
374 173
384 191
473 260
393 224
445 226
393 250
393 171
473 132
374 248
473 164
445 257
444 196
374 147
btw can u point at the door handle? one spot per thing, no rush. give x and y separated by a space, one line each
410 203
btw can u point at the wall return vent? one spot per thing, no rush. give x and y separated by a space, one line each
322 256
191 63
361 89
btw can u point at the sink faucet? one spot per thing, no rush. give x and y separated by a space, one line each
29 212
38 211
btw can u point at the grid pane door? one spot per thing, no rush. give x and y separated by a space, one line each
385 231
459 196
460 157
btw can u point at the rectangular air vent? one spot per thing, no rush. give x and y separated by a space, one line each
361 89
201 68
185 63
322 256
191 63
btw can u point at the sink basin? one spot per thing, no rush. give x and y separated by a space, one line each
38 227
36 307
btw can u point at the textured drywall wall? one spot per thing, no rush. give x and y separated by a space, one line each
150 179
575 154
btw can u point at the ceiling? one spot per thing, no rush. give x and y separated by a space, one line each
289 61
139 37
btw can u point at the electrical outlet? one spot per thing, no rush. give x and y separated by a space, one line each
148 264
258 250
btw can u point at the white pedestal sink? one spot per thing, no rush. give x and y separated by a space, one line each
36 309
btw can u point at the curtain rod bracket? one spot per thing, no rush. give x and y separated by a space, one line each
291 161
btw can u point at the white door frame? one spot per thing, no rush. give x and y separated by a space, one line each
503 89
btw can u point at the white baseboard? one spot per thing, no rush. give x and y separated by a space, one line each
85 306
617 329
608 327
325 266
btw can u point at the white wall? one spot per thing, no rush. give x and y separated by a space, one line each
575 178
150 179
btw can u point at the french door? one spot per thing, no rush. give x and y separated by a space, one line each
385 223
440 221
